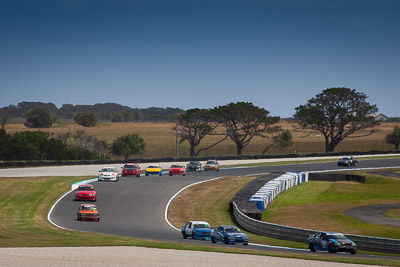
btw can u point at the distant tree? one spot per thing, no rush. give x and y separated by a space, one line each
53 117
4 118
37 118
106 115
393 138
194 125
86 119
336 113
126 145
244 121
282 140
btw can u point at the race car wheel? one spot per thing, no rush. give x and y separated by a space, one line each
184 235
245 244
311 247
193 236
213 240
331 249
184 174
226 241
353 252
79 218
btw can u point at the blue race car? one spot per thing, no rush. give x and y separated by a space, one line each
332 242
196 230
229 235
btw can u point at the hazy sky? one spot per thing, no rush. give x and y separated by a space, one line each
170 53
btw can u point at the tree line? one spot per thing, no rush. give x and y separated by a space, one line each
335 113
104 112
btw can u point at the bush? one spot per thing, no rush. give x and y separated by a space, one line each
38 146
127 145
86 119
37 118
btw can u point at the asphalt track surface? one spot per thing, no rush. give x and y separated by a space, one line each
135 207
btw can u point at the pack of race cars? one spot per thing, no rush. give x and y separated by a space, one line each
87 192
324 241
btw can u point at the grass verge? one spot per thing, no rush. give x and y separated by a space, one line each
325 202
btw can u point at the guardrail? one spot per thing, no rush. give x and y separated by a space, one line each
301 235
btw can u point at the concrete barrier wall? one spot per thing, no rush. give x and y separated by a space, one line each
301 235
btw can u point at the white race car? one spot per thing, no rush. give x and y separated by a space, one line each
108 174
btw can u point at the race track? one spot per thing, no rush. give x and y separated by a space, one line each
135 207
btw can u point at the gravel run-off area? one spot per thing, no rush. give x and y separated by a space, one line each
138 256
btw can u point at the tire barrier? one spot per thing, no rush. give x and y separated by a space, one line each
270 190
301 235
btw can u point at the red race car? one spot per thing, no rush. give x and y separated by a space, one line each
86 192
177 169
131 169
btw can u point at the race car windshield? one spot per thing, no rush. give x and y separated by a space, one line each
130 167
201 226
88 208
211 162
176 166
154 166
109 170
86 188
336 236
232 230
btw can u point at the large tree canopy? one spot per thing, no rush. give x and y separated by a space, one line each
243 121
194 125
336 113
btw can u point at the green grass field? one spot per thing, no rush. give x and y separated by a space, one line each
324 202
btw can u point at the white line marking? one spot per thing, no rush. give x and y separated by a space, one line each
174 196
60 198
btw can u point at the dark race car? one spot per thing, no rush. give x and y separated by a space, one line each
194 166
229 235
131 169
347 161
332 242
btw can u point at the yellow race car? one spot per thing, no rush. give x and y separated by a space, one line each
153 169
